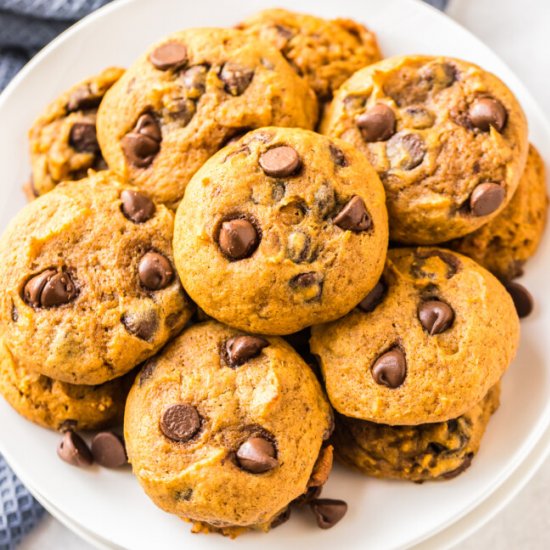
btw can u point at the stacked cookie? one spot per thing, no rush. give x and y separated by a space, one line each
188 216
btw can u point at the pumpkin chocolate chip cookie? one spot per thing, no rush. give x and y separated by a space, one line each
438 451
211 431
448 139
425 346
280 230
505 243
88 285
324 52
58 405
63 142
186 97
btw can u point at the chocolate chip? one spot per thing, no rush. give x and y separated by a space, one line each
466 463
241 349
325 200
377 123
406 151
171 55
49 289
439 75
180 422
73 450
141 325
309 285
523 300
298 248
194 79
486 198
283 517
435 316
83 99
155 271
142 144
136 206
373 298
14 313
390 369
418 118
236 78
354 216
257 455
108 450
486 112
82 137
238 238
280 162
337 156
183 111
311 494
147 371
328 512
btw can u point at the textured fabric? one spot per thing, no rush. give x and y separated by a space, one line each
25 27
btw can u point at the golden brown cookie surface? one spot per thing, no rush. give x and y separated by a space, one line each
427 348
448 139
211 431
58 405
280 230
505 243
324 52
88 287
426 452
63 140
186 97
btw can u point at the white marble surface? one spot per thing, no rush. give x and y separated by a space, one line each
518 30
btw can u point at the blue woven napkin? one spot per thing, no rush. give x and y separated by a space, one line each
25 27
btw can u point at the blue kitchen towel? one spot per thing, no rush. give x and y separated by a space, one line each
25 27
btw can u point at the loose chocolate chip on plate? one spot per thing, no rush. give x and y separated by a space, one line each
155 271
338 156
180 422
486 198
141 145
486 112
241 349
171 55
373 298
390 369
406 151
73 450
377 123
280 162
354 216
49 289
257 455
136 206
108 450
328 512
236 78
82 137
435 316
523 300
238 238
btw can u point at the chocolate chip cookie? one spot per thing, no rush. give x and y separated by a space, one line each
190 94
63 142
324 52
425 346
88 284
211 430
505 243
58 405
426 452
448 139
280 230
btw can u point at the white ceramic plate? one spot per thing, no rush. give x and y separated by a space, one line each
383 514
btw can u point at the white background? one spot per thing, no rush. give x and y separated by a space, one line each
519 31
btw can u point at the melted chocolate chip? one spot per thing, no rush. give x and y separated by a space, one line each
373 298
328 512
486 198
406 151
236 78
49 289
337 156
377 123
390 369
155 271
280 162
257 455
136 206
147 371
73 450
486 112
143 325
309 285
83 99
299 249
354 216
241 349
108 450
171 55
194 79
238 238
466 463
435 316
82 138
180 422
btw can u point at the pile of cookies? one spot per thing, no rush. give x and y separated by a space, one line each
259 247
